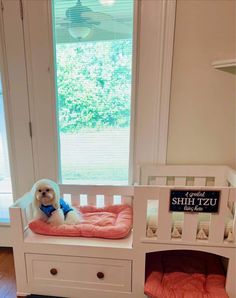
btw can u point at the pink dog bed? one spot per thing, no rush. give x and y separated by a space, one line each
111 222
184 274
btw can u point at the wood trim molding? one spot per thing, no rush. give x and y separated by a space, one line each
40 76
153 82
136 28
167 43
6 238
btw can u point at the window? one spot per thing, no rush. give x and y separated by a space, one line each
93 61
6 198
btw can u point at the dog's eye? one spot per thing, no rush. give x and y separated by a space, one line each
39 190
47 189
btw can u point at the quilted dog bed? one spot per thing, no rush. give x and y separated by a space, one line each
184 274
110 222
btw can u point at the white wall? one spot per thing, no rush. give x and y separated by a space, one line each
202 106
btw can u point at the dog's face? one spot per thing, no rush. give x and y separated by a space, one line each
46 192
45 195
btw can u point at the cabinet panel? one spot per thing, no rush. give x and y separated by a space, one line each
81 272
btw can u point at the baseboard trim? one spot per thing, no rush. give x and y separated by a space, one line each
5 239
21 294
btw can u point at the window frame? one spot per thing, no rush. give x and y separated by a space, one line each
136 8
47 96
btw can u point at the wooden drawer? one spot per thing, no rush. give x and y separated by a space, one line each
81 272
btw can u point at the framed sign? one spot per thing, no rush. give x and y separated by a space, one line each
194 201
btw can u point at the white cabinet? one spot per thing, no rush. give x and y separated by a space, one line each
78 272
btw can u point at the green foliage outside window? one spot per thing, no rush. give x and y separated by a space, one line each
94 85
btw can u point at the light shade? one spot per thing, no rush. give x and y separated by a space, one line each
79 31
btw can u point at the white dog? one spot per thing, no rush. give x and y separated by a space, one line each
49 207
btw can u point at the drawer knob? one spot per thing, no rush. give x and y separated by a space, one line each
100 275
53 271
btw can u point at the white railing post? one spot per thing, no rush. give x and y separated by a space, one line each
232 200
141 196
181 181
217 222
200 181
189 230
164 216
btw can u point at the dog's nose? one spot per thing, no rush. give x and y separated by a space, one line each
43 193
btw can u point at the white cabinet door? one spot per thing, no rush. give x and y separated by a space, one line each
78 272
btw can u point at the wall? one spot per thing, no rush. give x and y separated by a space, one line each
202 106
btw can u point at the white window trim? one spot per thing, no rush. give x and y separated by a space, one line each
40 69
167 46
133 90
153 81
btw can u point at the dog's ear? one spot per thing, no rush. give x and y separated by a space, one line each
35 203
56 201
55 204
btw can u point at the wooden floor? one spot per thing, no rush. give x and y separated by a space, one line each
7 274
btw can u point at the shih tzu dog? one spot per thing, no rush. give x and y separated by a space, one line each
49 207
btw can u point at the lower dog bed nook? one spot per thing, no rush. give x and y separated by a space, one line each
110 222
184 274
